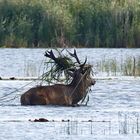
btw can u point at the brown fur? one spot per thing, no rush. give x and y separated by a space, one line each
59 94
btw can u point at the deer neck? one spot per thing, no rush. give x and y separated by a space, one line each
78 89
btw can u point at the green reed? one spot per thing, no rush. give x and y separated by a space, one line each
67 23
130 66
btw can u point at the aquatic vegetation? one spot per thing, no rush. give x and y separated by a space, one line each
30 69
67 23
130 66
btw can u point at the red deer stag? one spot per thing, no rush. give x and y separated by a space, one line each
60 94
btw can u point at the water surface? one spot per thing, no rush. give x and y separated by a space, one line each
113 107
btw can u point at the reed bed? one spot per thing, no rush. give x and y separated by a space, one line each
130 66
68 23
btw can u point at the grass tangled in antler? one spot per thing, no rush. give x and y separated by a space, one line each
57 67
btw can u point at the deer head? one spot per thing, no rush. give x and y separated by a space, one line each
70 67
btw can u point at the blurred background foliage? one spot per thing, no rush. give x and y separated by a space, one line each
68 23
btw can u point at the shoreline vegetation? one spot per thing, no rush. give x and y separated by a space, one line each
70 23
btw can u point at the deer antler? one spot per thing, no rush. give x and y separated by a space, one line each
50 54
77 59
75 56
82 65
62 62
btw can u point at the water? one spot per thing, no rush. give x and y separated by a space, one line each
113 110
29 62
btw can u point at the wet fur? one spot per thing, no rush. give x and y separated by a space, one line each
59 94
